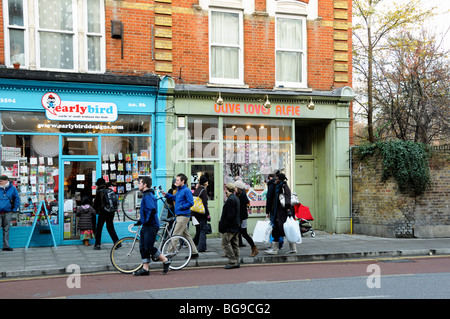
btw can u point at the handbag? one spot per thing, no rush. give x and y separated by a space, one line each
294 200
262 231
292 230
198 204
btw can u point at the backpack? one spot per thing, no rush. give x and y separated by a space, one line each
110 201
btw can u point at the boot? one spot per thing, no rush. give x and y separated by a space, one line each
254 251
292 248
273 249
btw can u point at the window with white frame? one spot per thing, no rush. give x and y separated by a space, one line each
226 47
69 35
290 51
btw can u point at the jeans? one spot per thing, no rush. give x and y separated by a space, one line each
200 235
5 221
147 241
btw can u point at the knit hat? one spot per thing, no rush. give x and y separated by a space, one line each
203 180
239 184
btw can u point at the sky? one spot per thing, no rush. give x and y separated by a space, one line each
441 22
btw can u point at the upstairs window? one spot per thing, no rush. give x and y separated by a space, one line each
290 51
226 47
69 35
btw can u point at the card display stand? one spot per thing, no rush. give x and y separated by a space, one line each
41 204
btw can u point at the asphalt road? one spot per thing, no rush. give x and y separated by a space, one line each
410 278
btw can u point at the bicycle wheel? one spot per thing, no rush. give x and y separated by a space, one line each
178 250
131 204
126 258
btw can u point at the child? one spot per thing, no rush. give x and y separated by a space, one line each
86 214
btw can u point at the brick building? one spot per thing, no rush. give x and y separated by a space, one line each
235 88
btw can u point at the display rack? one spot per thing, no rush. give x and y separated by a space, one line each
41 203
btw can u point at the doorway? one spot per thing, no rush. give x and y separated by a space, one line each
80 176
196 170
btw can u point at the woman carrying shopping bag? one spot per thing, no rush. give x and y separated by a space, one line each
280 213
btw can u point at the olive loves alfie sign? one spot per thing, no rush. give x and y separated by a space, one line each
56 109
257 109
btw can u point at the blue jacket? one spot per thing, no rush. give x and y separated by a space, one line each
148 215
8 194
183 201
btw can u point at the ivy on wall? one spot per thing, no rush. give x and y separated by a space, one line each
406 161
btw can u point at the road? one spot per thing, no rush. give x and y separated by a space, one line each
414 277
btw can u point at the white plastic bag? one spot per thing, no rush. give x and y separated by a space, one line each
262 231
292 231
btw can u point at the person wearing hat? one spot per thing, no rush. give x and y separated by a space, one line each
9 203
244 202
229 227
201 228
103 217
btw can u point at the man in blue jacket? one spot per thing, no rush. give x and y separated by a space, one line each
9 203
150 227
183 203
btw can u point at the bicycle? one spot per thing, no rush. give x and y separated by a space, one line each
125 255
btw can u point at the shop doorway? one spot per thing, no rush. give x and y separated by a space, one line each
80 176
196 170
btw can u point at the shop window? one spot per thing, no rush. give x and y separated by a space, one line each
37 122
33 169
252 150
124 160
80 145
203 138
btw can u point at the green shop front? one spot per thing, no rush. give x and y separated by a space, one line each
58 138
231 134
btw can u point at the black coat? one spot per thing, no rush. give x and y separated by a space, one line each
270 195
280 212
230 220
85 218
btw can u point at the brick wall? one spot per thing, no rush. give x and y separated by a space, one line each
379 209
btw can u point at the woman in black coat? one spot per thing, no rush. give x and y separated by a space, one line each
201 228
279 214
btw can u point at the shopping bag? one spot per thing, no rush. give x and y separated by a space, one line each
294 200
292 231
262 231
198 205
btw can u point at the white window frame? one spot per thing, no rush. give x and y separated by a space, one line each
102 40
8 27
31 39
240 46
304 82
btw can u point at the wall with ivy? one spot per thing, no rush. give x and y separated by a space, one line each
381 207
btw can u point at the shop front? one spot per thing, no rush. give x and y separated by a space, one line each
243 139
58 138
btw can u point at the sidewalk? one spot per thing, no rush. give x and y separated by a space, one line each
43 261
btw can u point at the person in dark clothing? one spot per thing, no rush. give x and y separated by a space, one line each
85 213
229 227
279 214
103 217
150 226
244 202
201 228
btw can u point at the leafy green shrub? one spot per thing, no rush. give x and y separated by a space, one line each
406 161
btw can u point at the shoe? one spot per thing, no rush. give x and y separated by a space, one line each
97 247
166 265
7 249
254 251
119 246
141 272
230 266
292 249
273 249
194 256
